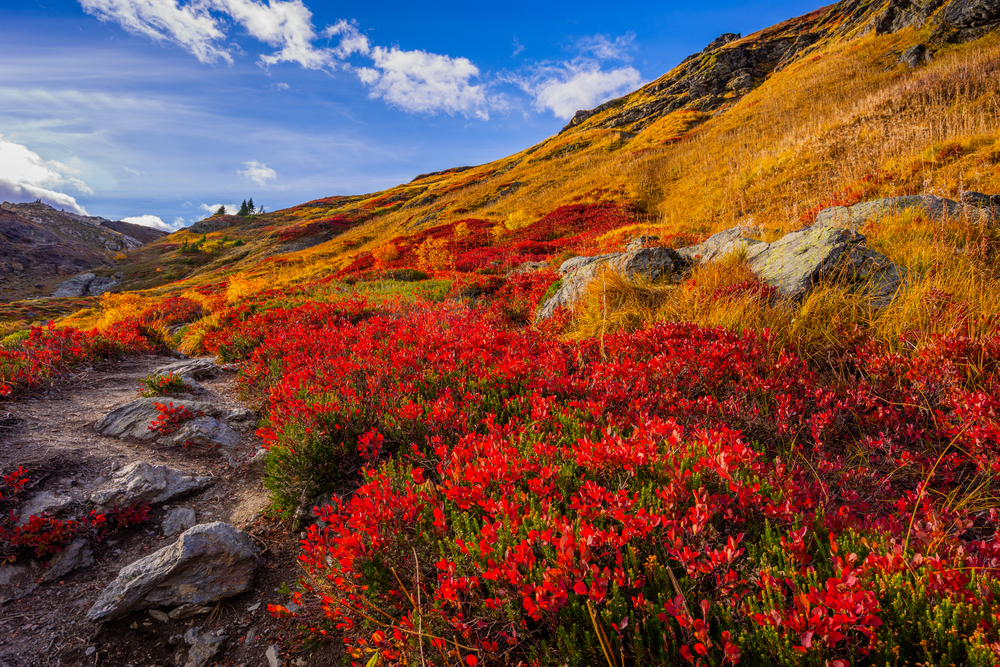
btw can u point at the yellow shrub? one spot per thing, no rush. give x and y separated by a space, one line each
241 286
385 254
433 254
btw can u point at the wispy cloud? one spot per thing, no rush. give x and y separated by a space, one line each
200 27
582 82
25 176
257 172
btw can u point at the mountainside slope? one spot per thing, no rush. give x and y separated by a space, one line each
41 246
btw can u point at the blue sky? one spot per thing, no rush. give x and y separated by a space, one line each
159 110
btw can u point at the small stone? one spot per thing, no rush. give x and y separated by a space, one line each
134 626
204 646
90 651
187 611
254 607
76 555
142 481
199 369
272 656
159 615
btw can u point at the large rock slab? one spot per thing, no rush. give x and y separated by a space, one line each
198 369
204 433
207 563
132 420
578 272
795 262
931 206
142 481
74 287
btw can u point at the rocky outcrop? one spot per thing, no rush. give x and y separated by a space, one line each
207 563
133 420
85 284
724 243
178 520
76 555
577 272
198 369
43 503
142 481
931 206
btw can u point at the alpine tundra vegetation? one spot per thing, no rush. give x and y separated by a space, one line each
710 377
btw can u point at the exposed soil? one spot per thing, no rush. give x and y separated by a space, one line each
52 436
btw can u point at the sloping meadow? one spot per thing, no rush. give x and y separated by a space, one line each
487 494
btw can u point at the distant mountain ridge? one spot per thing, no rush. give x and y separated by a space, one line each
40 245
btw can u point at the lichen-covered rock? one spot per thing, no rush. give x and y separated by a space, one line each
854 217
794 263
207 563
132 420
199 369
142 481
724 243
578 272
204 433
971 13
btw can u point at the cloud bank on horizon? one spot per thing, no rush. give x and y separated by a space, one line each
414 81
25 176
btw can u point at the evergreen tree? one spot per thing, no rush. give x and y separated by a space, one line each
244 209
250 206
221 211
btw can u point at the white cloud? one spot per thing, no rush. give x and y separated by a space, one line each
518 47
603 48
199 27
575 86
257 172
153 221
210 209
281 86
25 176
351 39
191 26
421 82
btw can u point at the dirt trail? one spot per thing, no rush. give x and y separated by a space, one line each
53 437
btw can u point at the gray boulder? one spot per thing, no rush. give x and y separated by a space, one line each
578 272
41 503
141 481
207 563
74 287
989 204
794 263
132 420
915 56
241 416
178 520
204 433
724 243
198 369
76 555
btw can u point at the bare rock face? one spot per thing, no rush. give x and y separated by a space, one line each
141 481
204 433
650 263
853 217
178 520
85 284
207 563
198 369
132 420
971 13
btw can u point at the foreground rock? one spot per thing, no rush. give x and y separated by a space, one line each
142 481
198 369
76 555
974 206
207 563
43 503
578 272
132 420
206 433
204 646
